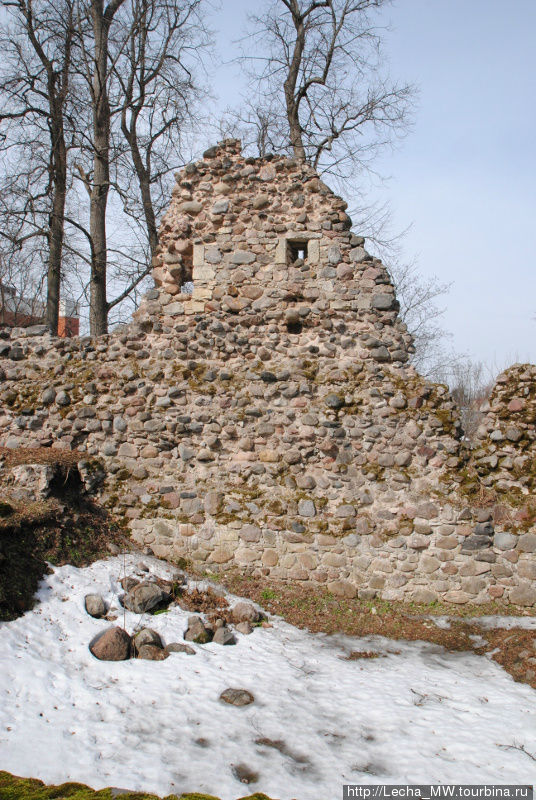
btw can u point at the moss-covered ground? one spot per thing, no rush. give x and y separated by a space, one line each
14 788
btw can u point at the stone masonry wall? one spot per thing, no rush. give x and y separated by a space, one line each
270 420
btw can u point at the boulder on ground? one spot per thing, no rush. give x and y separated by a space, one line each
197 632
95 605
245 612
177 647
152 653
224 635
113 645
147 636
144 597
245 628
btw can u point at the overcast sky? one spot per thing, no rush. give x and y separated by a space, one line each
465 176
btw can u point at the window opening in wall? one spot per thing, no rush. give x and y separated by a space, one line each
187 283
296 251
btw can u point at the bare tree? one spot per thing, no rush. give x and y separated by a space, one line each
22 280
35 90
145 88
317 70
471 383
157 94
97 72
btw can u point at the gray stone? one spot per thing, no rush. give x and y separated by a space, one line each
48 396
457 596
144 597
191 207
185 452
95 605
523 595
197 632
212 255
504 541
334 254
261 201
177 647
472 543
250 533
427 510
422 595
380 354
527 543
513 434
220 206
383 302
484 529
147 636
245 628
151 652
224 636
245 612
174 309
345 511
62 398
243 257
358 254
306 508
237 697
334 400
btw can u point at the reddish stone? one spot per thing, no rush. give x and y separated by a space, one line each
113 645
516 404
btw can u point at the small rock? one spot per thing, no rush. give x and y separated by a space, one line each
504 541
113 645
527 543
128 582
245 612
306 508
237 697
197 632
224 636
334 401
62 398
523 595
95 605
484 529
48 396
244 627
176 647
151 652
147 636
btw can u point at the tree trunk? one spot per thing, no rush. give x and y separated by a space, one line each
98 311
144 180
292 103
56 229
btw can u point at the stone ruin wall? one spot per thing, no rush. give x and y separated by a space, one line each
269 421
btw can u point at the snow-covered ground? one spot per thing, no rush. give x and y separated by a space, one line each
418 715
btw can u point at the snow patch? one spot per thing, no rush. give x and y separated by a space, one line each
418 715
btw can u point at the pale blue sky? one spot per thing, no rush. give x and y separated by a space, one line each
465 176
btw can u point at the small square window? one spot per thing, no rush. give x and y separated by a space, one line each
296 251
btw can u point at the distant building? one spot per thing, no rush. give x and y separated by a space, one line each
69 319
18 312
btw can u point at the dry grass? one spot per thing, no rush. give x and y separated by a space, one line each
40 455
319 611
